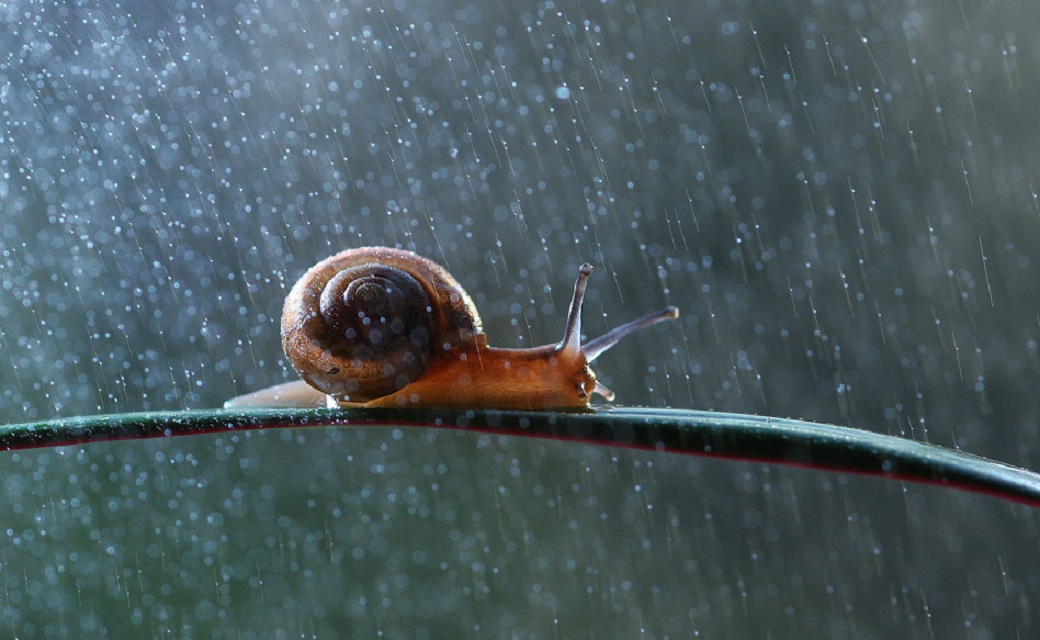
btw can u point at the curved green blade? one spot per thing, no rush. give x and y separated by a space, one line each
744 437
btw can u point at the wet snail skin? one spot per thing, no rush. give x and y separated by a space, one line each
382 327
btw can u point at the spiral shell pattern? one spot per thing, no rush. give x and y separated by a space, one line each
366 322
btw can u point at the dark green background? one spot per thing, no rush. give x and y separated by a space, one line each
840 196
419 533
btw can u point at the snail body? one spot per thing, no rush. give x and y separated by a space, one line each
382 327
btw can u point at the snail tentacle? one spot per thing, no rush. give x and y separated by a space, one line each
594 348
571 342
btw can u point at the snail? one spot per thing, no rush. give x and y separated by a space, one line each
382 327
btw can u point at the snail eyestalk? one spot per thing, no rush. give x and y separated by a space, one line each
594 348
571 342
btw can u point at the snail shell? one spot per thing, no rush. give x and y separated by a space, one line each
366 322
